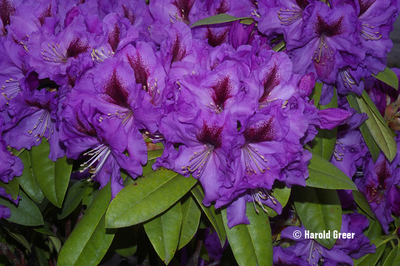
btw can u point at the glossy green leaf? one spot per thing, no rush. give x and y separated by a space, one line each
213 215
319 210
26 213
52 177
281 195
217 19
389 77
323 174
27 180
369 140
370 259
190 221
362 202
12 187
89 240
374 230
316 93
391 258
378 127
147 197
251 244
163 232
73 198
152 155
325 141
247 21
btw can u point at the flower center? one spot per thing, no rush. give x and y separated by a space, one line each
99 156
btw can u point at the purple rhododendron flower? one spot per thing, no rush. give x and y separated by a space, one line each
379 179
311 252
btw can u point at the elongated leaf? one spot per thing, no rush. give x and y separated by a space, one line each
325 141
163 232
282 196
389 77
323 174
319 210
27 180
19 237
190 221
73 198
247 21
11 187
52 177
251 244
89 240
212 214
362 203
390 260
369 140
316 94
370 259
217 19
378 127
147 197
26 213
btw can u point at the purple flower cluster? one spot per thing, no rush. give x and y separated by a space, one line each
340 41
307 251
97 78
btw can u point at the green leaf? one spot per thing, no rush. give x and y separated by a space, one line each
89 240
251 244
319 210
282 196
362 203
52 237
390 260
26 213
369 140
12 187
27 180
325 141
19 237
52 177
41 255
378 127
213 215
163 232
374 230
125 241
217 19
323 174
316 94
147 197
190 221
152 155
389 77
73 198
370 259
247 21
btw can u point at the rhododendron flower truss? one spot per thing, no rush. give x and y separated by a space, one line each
204 142
103 143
